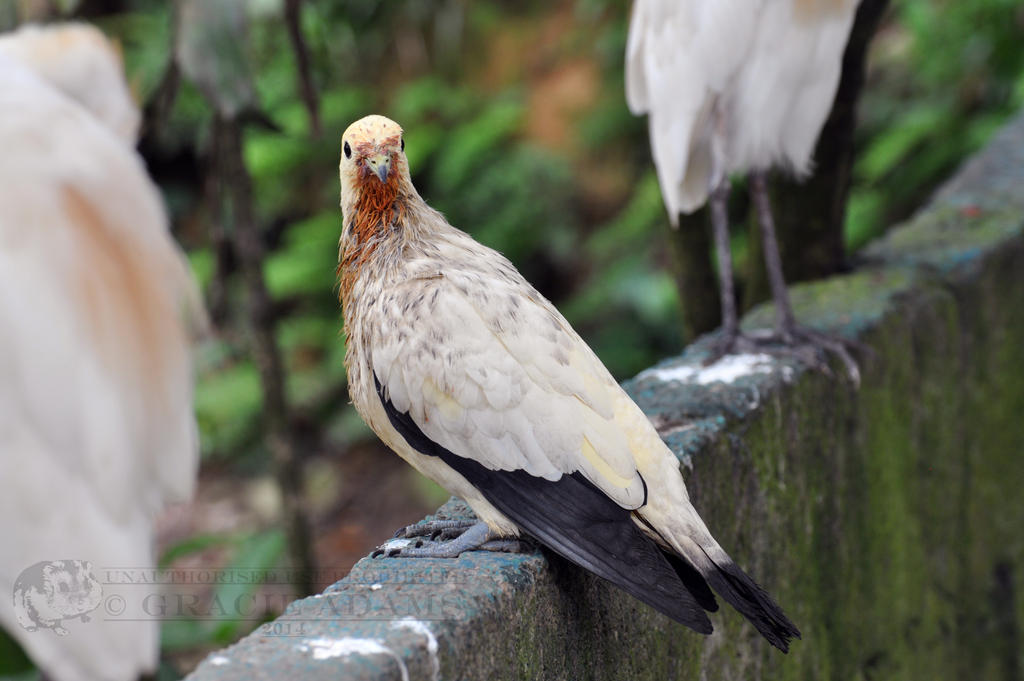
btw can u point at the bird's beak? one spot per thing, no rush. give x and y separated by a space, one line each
380 164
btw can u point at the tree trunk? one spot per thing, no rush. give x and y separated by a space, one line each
695 274
237 212
293 20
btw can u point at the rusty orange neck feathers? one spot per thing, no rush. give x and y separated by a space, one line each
375 191
379 206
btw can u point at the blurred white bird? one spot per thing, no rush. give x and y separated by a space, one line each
79 61
97 431
734 86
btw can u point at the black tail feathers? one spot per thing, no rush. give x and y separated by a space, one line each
753 602
693 580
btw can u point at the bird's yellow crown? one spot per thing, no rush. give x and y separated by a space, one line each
373 129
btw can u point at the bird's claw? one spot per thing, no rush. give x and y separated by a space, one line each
394 547
434 529
445 539
821 345
506 546
446 549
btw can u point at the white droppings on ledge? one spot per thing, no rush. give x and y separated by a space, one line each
219 661
328 648
376 587
423 629
726 370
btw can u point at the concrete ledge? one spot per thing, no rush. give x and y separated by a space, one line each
888 521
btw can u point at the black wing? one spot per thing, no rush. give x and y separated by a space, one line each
574 519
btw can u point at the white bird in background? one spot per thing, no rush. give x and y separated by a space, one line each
79 61
97 308
735 86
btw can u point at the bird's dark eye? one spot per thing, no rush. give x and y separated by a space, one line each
403 144
348 151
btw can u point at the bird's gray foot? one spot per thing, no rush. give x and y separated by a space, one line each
806 345
477 536
436 529
731 343
814 347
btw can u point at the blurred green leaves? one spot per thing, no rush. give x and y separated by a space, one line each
306 260
945 74
228 401
226 612
14 663
472 145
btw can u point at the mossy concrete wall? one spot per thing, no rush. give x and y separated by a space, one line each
888 520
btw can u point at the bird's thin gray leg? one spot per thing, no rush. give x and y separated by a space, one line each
785 321
730 339
786 328
477 536
720 226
